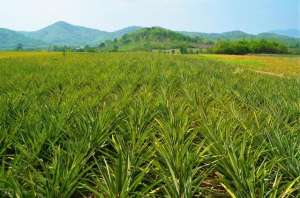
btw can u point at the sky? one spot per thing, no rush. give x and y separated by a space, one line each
252 16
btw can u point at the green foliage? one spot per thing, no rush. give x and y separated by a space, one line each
155 38
233 35
145 125
291 42
19 47
183 50
249 46
129 39
147 39
237 42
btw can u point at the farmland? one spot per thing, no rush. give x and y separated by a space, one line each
283 65
149 125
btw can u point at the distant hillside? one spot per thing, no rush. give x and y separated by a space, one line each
62 33
238 35
65 34
233 35
289 41
289 32
10 40
121 32
151 38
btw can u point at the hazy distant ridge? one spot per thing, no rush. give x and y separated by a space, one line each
62 33
289 32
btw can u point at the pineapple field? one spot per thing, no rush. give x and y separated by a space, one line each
149 125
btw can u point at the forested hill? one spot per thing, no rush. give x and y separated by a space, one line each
63 34
152 38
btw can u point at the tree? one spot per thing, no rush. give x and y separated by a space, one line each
183 50
88 48
102 45
115 48
249 46
19 47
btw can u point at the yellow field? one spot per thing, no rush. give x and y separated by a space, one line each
276 65
265 64
25 54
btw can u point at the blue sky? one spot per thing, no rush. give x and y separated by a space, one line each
193 15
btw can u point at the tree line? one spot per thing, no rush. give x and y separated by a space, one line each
240 47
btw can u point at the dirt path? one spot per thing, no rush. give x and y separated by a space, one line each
268 73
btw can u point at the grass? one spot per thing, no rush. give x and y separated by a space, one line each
146 125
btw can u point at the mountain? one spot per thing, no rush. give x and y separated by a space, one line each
289 41
233 35
151 38
121 32
59 33
238 35
62 33
288 32
160 38
10 39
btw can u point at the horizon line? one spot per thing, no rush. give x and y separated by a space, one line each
192 31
